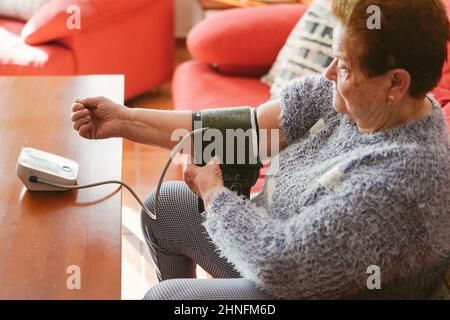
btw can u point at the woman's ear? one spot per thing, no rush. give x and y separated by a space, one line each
400 83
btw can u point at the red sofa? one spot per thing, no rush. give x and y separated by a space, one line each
134 38
232 50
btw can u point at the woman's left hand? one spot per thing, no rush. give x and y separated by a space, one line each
205 181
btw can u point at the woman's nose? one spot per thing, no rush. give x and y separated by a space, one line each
330 72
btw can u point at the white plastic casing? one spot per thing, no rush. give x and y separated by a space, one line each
47 166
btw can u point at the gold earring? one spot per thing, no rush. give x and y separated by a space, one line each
391 100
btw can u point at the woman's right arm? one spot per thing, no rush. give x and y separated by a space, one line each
101 118
154 127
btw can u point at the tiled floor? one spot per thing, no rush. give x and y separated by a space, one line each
141 169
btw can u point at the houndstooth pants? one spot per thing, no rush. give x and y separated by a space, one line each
177 242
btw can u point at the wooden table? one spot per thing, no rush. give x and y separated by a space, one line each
43 234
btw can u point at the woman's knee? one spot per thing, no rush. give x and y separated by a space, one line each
207 289
178 289
165 290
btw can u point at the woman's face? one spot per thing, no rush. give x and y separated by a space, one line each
355 94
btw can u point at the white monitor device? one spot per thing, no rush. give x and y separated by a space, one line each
46 166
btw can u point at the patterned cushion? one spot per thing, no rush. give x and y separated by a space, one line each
308 49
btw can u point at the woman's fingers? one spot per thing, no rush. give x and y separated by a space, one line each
90 103
77 107
85 131
188 167
79 114
214 160
77 124
81 118
201 180
189 170
187 160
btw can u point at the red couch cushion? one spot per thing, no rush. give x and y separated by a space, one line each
244 40
197 86
18 58
50 22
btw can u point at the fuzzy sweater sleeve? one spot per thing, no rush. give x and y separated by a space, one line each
303 102
324 250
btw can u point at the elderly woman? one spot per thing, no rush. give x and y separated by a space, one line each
359 206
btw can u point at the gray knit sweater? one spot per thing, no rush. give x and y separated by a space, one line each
340 202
